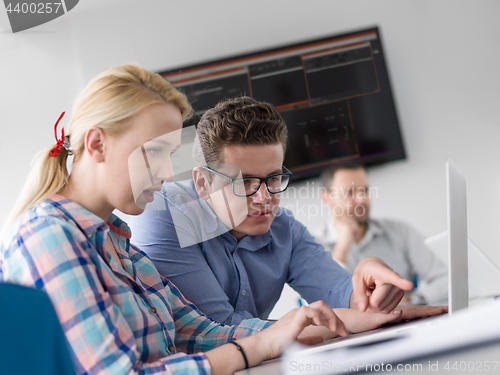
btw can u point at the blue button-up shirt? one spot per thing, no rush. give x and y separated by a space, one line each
229 280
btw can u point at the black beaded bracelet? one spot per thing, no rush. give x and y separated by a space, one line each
242 352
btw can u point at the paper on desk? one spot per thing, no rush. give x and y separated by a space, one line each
465 328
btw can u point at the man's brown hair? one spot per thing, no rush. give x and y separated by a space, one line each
328 173
238 121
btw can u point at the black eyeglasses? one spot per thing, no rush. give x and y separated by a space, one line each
247 186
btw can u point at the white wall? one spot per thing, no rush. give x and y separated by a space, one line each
443 58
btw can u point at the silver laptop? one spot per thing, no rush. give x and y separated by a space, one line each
458 284
458 268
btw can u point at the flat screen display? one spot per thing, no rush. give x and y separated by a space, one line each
333 93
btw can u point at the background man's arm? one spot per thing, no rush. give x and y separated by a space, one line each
347 230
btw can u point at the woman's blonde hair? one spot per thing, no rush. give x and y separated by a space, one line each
109 102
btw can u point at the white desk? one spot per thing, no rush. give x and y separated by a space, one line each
477 358
466 342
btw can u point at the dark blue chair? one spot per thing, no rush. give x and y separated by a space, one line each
31 338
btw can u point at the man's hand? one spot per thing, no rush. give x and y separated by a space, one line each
376 287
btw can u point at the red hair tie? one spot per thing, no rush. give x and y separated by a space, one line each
59 142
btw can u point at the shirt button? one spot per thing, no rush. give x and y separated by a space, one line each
152 310
171 348
243 292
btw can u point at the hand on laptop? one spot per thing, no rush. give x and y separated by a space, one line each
376 287
356 321
296 325
419 311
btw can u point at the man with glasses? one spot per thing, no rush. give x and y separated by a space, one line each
225 242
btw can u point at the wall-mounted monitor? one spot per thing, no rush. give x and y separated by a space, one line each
333 92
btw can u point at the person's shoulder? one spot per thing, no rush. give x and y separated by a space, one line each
37 225
393 226
390 223
45 211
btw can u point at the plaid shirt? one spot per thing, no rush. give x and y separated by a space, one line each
117 320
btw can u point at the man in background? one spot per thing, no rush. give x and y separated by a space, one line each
351 235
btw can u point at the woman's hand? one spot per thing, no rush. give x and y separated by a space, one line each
310 325
419 311
356 321
289 327
271 342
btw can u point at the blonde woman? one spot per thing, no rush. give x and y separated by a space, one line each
118 314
